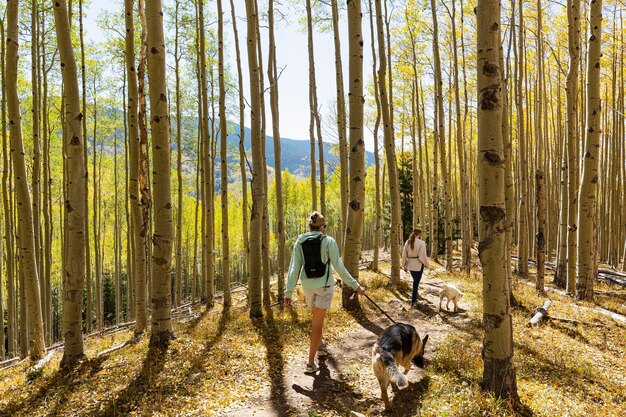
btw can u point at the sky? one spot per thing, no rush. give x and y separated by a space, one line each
292 55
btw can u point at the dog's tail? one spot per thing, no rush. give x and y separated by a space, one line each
392 369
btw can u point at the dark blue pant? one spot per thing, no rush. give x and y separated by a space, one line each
417 277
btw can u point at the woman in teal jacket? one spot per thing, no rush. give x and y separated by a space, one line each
318 290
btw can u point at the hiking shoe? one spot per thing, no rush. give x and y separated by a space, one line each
311 368
322 348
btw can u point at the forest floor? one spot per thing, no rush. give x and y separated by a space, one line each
228 365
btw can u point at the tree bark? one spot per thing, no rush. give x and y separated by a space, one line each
163 235
341 125
207 195
587 200
25 230
272 74
144 173
356 212
378 206
258 191
179 163
89 307
466 235
499 371
441 138
223 160
540 195
137 231
242 151
75 234
522 266
390 150
312 106
8 216
571 116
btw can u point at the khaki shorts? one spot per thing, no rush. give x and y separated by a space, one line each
319 297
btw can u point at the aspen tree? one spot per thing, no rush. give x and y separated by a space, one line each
137 232
242 152
540 191
499 371
377 222
25 231
144 173
47 185
223 161
163 236
441 138
265 230
272 74
179 160
89 306
541 225
258 191
509 195
573 137
356 212
587 200
96 215
312 106
207 160
36 165
341 125
522 266
390 149
75 235
116 239
460 145
8 217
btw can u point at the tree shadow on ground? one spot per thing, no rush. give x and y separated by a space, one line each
406 402
59 386
272 339
333 394
139 388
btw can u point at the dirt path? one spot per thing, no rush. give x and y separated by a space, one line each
345 381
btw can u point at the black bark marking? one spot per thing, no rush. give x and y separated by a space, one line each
489 99
160 302
492 322
494 158
492 214
355 205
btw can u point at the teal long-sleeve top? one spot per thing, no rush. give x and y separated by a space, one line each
329 251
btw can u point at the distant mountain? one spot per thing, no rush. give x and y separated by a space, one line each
295 154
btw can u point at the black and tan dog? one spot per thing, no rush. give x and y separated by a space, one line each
398 344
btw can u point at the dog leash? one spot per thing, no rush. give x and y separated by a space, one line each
377 306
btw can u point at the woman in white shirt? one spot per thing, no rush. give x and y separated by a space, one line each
414 259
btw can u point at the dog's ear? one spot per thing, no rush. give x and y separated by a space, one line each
424 340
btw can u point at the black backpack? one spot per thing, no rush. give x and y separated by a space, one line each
312 250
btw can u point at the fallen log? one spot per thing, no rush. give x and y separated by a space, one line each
9 363
115 348
36 370
540 313
610 293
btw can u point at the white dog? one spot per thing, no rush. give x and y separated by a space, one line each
451 293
